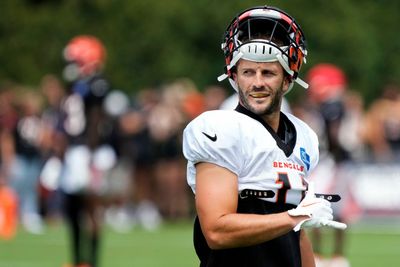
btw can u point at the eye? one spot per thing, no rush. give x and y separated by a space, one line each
268 73
248 72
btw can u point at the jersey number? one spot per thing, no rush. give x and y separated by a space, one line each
283 179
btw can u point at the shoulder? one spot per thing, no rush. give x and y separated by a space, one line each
303 129
216 117
217 136
223 123
218 126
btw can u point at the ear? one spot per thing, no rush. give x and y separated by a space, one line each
287 80
234 75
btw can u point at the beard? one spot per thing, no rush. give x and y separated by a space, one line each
272 107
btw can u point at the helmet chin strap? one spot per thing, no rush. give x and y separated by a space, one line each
261 51
301 83
286 67
234 84
234 60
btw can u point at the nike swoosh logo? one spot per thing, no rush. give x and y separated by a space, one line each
212 138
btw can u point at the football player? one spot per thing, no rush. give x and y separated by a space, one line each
88 154
248 167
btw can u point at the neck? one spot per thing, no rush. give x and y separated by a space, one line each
272 120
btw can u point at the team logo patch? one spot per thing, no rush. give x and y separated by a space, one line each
305 158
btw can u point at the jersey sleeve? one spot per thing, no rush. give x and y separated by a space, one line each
211 138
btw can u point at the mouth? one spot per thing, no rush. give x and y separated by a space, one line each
259 94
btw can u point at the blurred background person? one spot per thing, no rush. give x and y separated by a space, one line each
139 149
149 138
118 183
180 101
336 114
88 155
25 157
383 125
214 96
53 147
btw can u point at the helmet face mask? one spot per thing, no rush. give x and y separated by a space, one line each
264 34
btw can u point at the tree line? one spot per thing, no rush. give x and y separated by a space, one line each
151 42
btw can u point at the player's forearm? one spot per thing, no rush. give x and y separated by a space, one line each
307 253
239 230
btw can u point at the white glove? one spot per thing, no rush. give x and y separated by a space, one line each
318 210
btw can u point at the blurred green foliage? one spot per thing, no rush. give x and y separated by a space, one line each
152 42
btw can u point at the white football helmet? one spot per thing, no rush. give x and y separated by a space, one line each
264 34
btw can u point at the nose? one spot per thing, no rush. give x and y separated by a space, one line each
258 80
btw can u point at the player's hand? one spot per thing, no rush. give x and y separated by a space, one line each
318 210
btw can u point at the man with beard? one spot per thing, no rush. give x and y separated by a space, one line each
249 167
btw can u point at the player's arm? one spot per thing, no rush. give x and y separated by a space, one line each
306 250
216 204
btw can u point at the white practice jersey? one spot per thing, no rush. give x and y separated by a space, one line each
253 152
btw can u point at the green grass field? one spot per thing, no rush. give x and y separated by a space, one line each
171 245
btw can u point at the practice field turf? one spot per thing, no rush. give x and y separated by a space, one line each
171 245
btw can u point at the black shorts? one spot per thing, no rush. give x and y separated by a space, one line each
283 251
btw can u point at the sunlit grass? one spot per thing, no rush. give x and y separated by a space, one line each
171 245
